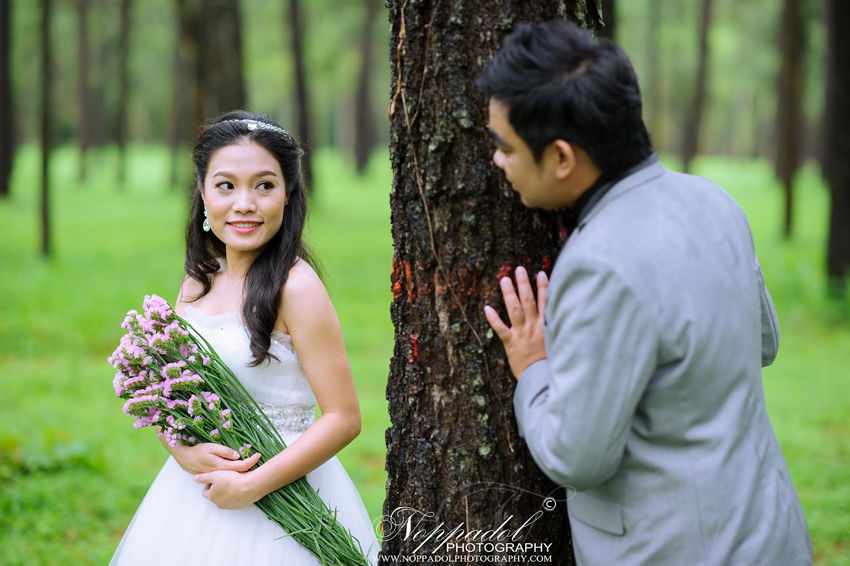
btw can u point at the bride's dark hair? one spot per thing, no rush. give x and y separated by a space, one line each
269 272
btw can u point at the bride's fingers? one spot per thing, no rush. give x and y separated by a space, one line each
247 464
223 451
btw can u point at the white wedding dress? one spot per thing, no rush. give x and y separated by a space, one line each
175 524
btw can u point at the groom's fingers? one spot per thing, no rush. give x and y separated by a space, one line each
542 288
514 308
526 294
499 327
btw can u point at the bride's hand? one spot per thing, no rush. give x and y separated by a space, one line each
209 457
227 489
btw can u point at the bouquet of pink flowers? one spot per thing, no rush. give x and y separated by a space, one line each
171 377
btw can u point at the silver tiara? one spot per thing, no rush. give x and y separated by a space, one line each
254 124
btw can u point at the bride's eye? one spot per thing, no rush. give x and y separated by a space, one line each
226 185
265 186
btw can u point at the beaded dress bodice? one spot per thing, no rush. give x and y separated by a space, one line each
279 386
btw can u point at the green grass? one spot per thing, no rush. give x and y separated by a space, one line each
72 468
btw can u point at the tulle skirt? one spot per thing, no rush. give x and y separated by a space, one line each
175 524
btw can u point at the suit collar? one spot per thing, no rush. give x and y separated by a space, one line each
645 171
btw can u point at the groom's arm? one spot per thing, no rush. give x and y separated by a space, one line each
769 321
575 408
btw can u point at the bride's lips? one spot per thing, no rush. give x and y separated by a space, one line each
244 227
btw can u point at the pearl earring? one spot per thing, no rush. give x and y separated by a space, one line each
206 225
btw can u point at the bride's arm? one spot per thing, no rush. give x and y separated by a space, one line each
310 319
208 456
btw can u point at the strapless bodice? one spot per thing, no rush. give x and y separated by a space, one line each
279 386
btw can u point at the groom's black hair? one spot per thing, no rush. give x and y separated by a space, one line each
558 82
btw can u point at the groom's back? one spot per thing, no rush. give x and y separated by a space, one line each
701 467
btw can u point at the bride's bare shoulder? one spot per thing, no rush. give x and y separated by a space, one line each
190 289
303 293
302 274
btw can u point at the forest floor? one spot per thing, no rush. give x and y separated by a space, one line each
73 469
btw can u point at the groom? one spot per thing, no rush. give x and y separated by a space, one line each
639 365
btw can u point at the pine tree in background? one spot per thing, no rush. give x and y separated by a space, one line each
46 122
693 121
123 90
7 126
789 108
837 143
296 27
84 121
364 127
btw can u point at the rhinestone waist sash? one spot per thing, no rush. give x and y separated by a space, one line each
288 419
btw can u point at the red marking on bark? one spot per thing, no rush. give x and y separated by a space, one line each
395 278
409 281
526 260
401 270
505 271
547 265
413 339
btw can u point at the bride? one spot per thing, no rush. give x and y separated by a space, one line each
251 292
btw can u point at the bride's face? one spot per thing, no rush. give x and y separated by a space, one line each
244 194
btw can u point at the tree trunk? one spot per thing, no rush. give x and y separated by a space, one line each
123 90
84 122
186 113
453 448
364 128
837 142
609 18
652 94
296 29
694 118
7 128
789 107
220 66
46 118
100 74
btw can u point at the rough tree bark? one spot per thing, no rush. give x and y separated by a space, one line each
837 142
364 126
221 76
123 89
790 104
296 27
453 448
7 129
84 121
693 121
609 18
46 118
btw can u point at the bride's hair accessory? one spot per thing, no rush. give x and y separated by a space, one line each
254 124
206 225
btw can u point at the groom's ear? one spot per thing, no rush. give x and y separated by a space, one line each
564 156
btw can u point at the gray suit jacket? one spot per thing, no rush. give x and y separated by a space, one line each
650 403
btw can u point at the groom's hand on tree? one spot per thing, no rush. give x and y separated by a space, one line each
210 457
523 340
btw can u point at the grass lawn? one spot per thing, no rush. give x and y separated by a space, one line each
72 468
